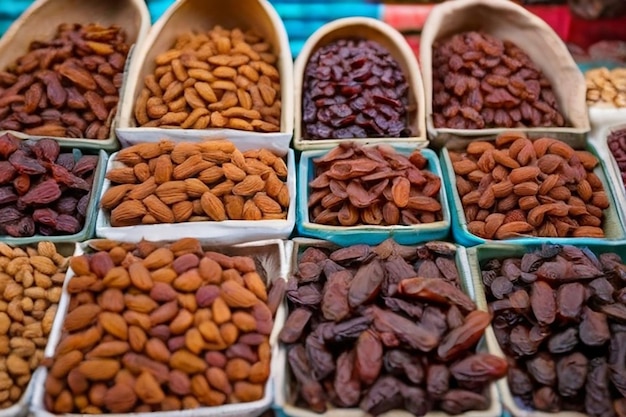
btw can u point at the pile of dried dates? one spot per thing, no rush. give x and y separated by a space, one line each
518 187
617 145
386 327
67 86
354 89
560 317
357 184
42 191
482 82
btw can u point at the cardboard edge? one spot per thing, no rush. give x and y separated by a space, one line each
285 65
414 76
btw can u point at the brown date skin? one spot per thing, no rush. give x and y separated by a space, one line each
380 352
294 326
366 284
466 335
478 369
335 305
436 290
310 389
570 299
569 356
542 302
347 384
437 380
399 362
571 372
369 355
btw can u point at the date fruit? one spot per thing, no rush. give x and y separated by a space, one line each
387 341
67 86
560 327
40 190
356 185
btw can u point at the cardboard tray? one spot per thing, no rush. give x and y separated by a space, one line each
283 378
387 36
369 234
40 22
614 221
199 16
506 20
269 254
227 232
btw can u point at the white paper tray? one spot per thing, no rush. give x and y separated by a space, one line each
270 254
227 232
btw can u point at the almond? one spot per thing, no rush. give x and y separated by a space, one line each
148 389
124 175
249 186
187 362
120 398
81 317
161 212
140 276
114 324
114 195
523 174
157 350
128 213
236 295
513 229
213 206
99 369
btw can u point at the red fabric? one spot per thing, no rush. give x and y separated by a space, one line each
585 33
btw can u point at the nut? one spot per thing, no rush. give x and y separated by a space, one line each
202 89
545 197
211 179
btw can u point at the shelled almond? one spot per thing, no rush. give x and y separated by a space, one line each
169 182
30 288
519 187
154 327
217 79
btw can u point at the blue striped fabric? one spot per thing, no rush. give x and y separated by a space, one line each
301 18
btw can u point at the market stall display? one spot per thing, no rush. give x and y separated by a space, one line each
203 298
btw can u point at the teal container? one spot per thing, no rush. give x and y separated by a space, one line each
88 229
613 219
478 254
367 234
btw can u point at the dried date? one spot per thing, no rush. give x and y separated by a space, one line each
363 343
568 350
360 185
44 198
56 90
